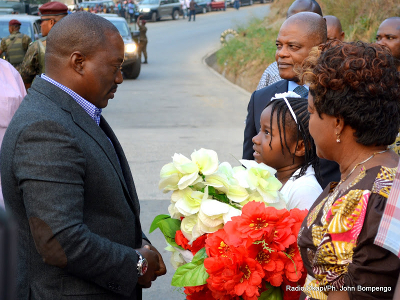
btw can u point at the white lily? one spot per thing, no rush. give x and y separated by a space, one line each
179 257
170 177
188 201
188 169
187 225
260 178
206 160
174 212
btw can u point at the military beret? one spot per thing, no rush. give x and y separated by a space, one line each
53 9
14 22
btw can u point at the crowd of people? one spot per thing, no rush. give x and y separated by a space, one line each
325 116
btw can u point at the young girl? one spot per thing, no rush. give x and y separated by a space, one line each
285 144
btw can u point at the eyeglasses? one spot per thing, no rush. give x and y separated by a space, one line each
43 20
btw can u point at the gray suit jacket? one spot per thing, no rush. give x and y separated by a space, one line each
72 194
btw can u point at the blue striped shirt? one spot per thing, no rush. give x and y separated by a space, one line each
91 109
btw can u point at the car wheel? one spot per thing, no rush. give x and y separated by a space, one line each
133 71
204 10
154 16
175 14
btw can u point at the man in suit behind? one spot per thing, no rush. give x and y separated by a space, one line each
297 36
66 180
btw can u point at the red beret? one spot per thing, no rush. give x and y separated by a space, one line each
53 9
14 22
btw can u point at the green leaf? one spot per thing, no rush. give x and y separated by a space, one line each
192 274
172 242
200 255
154 224
272 293
169 227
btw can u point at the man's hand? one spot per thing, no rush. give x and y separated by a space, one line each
156 265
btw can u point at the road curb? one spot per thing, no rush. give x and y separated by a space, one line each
210 60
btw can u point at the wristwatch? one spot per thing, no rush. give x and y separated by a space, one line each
142 264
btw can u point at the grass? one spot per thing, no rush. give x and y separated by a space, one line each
254 48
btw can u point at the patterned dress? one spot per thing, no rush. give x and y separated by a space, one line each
336 240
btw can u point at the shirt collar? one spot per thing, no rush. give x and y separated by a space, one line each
91 109
292 85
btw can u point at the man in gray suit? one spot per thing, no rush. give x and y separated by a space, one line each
66 180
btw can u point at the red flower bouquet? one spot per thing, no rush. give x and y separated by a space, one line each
229 236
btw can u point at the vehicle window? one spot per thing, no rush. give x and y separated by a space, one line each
149 2
25 28
121 26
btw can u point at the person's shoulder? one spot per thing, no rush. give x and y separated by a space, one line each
272 89
383 180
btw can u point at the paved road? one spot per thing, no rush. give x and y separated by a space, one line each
177 105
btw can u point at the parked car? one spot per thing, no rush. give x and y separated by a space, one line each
87 5
30 25
156 9
242 2
218 5
203 6
132 62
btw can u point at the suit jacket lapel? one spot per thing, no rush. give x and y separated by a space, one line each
123 162
86 123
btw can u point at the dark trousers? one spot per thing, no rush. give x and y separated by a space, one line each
192 13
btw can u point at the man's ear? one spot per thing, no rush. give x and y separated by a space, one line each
300 149
77 62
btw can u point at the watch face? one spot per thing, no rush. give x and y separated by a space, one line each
145 265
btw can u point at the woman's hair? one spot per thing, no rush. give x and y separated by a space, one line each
299 131
358 82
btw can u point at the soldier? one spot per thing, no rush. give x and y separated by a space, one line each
16 44
142 39
33 63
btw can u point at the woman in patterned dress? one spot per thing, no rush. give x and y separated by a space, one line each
354 106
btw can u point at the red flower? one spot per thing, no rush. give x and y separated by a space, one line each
217 244
270 261
181 240
256 222
282 238
292 295
198 243
298 215
294 267
237 275
198 293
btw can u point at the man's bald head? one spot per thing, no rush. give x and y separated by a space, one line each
389 35
81 31
303 6
334 28
297 36
85 53
309 23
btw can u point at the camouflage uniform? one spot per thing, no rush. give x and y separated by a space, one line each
15 45
33 63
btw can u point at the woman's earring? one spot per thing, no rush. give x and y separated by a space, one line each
337 137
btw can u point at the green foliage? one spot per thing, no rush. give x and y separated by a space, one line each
272 293
251 44
193 273
168 227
